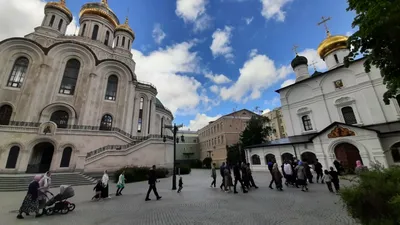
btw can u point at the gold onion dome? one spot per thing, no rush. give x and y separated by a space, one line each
100 9
125 27
60 6
331 44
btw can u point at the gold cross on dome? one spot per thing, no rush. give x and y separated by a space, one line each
62 2
295 47
104 2
313 64
324 21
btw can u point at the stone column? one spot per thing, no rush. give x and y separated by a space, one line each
87 116
127 126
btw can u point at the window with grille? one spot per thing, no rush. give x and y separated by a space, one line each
112 87
95 32
140 121
18 72
70 77
60 24
106 122
5 114
60 118
53 17
306 123
348 115
107 38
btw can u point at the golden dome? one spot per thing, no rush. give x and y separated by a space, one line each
126 27
100 9
331 44
60 6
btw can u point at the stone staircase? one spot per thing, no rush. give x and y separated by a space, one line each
17 182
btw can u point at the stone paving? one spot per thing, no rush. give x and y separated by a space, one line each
198 204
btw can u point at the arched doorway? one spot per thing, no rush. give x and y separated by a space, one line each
287 156
269 158
347 154
42 155
309 157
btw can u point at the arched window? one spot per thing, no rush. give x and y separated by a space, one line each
95 32
18 72
106 122
66 157
255 160
5 114
117 41
112 87
60 117
162 126
140 120
395 150
107 38
53 17
348 115
70 77
306 123
129 43
12 157
336 58
83 30
60 24
123 41
148 125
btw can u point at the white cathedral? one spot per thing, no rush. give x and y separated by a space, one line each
73 103
335 115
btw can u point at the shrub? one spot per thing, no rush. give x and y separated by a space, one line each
183 169
374 198
207 162
196 164
135 174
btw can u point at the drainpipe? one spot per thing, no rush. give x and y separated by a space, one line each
295 153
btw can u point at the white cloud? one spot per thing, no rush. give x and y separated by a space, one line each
180 93
253 53
73 27
200 121
257 74
249 20
265 111
349 33
287 83
158 33
273 102
312 56
214 89
217 78
220 45
194 11
272 9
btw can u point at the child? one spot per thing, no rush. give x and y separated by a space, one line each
327 178
97 188
180 185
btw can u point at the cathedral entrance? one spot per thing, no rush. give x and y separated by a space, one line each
347 154
309 157
42 155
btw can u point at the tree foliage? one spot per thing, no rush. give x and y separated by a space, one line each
256 131
378 40
234 154
207 162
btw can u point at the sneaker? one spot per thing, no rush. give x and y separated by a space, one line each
159 197
20 216
147 199
245 191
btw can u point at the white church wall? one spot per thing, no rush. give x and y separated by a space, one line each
387 142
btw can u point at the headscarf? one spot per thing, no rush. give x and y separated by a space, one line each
359 164
105 178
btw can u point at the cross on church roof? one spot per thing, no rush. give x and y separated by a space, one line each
324 21
104 2
295 47
313 65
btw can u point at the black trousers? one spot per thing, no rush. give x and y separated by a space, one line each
119 190
154 188
253 184
214 181
319 175
329 184
272 181
237 179
336 185
223 183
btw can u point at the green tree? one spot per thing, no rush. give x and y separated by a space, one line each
256 131
378 40
207 162
233 154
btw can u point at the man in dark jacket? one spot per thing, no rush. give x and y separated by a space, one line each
236 174
250 176
221 171
270 165
318 170
152 183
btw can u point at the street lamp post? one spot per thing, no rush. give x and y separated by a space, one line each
174 130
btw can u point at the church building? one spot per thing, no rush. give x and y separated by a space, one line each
338 114
73 103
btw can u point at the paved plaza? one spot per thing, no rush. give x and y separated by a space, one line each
198 204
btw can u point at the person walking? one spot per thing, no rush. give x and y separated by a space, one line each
245 176
31 201
227 174
213 175
288 173
270 166
98 188
121 183
301 176
180 185
277 177
328 180
44 186
221 172
318 170
236 174
104 181
152 183
250 176
309 175
335 179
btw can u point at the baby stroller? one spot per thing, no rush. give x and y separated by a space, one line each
59 203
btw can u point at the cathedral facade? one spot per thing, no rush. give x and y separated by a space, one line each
74 103
335 115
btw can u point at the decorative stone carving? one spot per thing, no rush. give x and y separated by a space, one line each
340 132
303 110
48 128
344 100
338 84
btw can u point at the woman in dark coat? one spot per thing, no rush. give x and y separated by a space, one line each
277 177
31 201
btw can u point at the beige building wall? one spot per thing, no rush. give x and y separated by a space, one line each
190 148
276 123
224 131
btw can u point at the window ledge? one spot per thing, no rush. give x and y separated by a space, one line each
65 95
12 88
309 132
110 101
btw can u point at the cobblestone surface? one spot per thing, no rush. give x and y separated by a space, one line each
198 204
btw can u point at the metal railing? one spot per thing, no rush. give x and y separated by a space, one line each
147 83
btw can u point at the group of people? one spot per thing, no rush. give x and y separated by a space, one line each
102 188
36 196
298 174
241 173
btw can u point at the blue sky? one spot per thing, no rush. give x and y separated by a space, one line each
207 57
